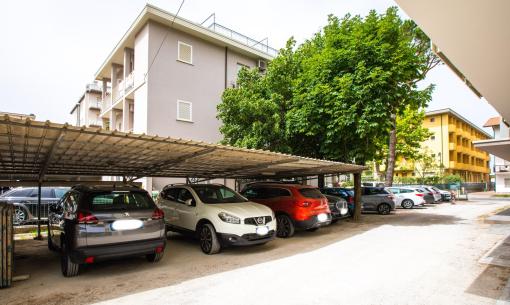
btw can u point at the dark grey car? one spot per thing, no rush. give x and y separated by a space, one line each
377 199
96 223
25 202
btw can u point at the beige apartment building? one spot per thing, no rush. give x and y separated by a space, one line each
451 145
167 75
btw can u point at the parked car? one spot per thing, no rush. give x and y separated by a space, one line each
25 200
295 206
407 197
433 192
217 215
338 207
90 224
377 199
345 193
445 195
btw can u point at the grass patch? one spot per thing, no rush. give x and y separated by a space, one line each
501 195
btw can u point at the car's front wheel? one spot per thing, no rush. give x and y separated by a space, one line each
209 242
383 209
407 204
284 226
20 215
155 257
69 269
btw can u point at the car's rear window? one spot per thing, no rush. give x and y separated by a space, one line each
310 193
120 201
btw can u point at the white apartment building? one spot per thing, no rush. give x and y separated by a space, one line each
167 75
501 167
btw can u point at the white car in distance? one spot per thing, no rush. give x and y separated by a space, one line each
217 215
407 197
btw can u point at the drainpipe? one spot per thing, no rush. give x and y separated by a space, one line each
226 62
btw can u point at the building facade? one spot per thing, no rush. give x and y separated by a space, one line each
501 166
86 111
167 75
451 147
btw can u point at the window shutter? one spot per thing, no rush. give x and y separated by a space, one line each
185 52
184 111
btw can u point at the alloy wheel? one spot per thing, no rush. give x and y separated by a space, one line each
19 216
205 239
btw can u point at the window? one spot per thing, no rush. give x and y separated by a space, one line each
211 194
184 52
120 201
170 194
60 192
184 111
405 191
374 191
433 138
310 193
46 193
507 182
185 195
19 193
432 120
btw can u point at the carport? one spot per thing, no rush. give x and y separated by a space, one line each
46 153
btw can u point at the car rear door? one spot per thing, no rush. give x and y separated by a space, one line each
186 214
168 202
120 217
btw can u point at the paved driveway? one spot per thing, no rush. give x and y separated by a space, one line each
419 256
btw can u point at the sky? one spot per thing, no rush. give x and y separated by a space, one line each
52 49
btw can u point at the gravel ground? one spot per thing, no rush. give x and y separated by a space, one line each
420 256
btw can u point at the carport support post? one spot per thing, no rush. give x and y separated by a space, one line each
357 196
39 237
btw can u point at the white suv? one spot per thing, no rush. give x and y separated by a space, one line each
217 215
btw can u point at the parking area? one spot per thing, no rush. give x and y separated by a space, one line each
426 253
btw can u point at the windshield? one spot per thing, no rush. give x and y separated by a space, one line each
211 194
120 201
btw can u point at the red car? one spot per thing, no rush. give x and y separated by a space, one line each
295 206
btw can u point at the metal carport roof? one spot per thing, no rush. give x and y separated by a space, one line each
33 150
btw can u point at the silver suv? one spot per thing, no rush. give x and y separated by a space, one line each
94 223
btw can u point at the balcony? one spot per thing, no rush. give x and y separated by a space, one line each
123 87
95 105
451 146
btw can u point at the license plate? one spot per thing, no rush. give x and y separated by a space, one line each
322 217
128 224
262 230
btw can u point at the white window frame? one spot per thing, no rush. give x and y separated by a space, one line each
179 43
190 111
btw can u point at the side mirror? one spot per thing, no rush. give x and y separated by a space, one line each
189 202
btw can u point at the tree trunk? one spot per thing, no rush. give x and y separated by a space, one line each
320 181
378 171
390 168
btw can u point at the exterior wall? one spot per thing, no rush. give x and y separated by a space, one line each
451 145
140 115
500 182
200 83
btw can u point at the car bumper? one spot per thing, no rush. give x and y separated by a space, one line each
312 223
105 252
245 239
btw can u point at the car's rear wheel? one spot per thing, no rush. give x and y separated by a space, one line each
383 209
284 226
20 215
407 204
51 246
209 242
69 269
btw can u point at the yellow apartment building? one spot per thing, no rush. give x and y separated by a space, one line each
451 144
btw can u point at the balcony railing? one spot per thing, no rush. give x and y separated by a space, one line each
95 105
259 45
123 87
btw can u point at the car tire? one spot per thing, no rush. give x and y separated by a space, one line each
383 209
20 216
407 204
284 226
155 257
209 242
69 269
51 246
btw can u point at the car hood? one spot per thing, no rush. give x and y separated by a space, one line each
243 209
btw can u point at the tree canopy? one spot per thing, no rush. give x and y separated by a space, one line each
333 96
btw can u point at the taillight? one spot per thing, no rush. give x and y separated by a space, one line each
431 194
419 195
157 214
86 218
351 199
